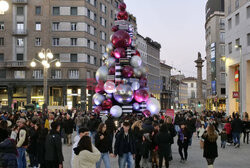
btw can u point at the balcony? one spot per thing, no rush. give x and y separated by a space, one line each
19 1
16 64
20 32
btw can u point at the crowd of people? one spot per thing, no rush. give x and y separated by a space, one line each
139 141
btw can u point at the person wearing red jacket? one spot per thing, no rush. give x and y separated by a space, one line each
229 131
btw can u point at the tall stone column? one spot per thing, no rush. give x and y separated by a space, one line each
199 66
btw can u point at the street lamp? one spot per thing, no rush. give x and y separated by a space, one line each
46 59
241 78
4 6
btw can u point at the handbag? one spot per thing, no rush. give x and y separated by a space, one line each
201 144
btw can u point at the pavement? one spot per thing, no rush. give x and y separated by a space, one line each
229 157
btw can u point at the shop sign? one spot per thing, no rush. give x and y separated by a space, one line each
236 95
236 76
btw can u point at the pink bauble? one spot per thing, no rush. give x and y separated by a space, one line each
127 71
98 109
107 104
143 82
141 95
119 53
122 15
115 28
99 88
146 113
112 71
122 6
121 39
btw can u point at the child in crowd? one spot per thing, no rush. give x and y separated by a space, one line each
223 136
145 150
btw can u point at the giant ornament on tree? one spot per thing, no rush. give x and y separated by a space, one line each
112 71
109 48
123 94
109 87
121 39
102 74
110 62
127 71
98 99
99 87
116 111
119 53
122 15
98 109
146 113
105 56
141 95
137 73
122 6
106 104
136 61
153 105
136 106
135 85
143 82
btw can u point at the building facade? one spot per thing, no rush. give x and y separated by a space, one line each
142 48
237 41
215 51
153 64
75 31
165 98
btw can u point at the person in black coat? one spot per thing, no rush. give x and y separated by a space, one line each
246 130
110 124
68 128
125 146
172 131
210 145
93 124
42 134
164 141
53 148
32 148
236 130
183 139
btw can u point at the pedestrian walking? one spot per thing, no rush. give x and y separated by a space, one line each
210 151
183 141
68 128
246 130
236 130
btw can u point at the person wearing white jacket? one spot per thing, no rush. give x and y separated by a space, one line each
86 154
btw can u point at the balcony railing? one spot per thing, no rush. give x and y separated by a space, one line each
20 32
19 1
16 64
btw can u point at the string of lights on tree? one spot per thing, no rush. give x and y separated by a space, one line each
122 80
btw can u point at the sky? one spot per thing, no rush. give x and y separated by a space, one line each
178 25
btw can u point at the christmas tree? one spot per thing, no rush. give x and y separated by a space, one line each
122 80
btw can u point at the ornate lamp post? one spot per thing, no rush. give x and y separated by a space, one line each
4 6
46 59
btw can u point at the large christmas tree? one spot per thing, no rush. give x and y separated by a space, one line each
122 80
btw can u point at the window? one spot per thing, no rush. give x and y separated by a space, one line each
38 26
222 23
102 21
1 25
193 95
237 4
1 57
248 39
55 42
222 50
103 8
222 37
38 10
19 57
19 74
73 41
95 46
88 13
38 74
88 74
88 59
1 41
237 43
237 19
95 17
88 43
73 26
192 85
73 11
19 10
222 78
19 42
2 73
74 74
230 48
111 14
248 12
56 11
55 26
38 41
56 74
73 57
95 63
116 4
20 26
229 23
103 35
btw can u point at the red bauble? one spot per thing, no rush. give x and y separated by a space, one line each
98 109
141 95
107 104
99 88
122 6
146 113
112 71
122 15
127 71
137 53
143 82
115 28
121 39
119 53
